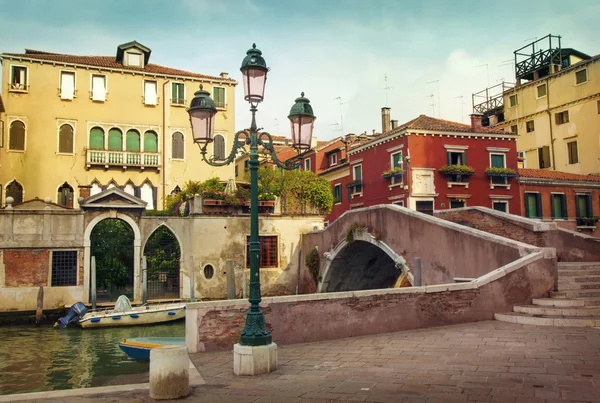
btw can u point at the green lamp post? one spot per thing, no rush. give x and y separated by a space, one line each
202 111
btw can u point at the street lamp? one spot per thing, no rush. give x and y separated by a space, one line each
202 111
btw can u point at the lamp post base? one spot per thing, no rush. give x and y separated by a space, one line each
249 360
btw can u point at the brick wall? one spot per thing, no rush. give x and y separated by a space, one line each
26 267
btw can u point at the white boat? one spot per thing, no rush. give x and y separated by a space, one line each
124 314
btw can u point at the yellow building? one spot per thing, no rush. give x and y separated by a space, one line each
75 125
554 107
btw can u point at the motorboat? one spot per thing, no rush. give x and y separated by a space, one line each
138 348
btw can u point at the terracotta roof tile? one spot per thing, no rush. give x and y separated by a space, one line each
110 62
424 122
557 175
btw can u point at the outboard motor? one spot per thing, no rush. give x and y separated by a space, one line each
77 311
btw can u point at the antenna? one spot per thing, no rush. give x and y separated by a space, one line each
462 107
386 88
438 96
341 113
432 104
487 69
512 64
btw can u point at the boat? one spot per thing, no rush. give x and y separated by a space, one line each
138 348
123 314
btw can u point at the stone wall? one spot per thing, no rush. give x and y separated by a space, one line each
571 246
316 317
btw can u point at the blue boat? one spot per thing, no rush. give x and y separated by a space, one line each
138 348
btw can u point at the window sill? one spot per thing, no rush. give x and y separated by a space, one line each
353 195
586 227
8 150
395 185
222 108
66 154
465 184
500 185
337 203
18 91
178 105
178 159
583 83
152 105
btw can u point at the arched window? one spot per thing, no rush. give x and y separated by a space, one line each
17 136
219 147
97 138
150 142
147 194
129 188
115 139
132 140
177 145
65 139
96 188
15 190
65 195
176 190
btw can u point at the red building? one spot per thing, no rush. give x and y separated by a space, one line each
428 164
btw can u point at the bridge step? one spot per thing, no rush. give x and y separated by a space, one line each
566 286
575 293
579 278
559 321
579 311
567 302
578 266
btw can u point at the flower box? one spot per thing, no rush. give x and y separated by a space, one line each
462 170
502 172
212 202
387 175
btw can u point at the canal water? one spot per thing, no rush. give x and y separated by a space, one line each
35 359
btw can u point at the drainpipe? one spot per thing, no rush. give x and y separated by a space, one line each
164 143
550 122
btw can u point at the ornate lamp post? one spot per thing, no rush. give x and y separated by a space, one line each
202 111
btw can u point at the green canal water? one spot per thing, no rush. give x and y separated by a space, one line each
35 359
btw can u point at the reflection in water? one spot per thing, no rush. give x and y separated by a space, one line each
37 359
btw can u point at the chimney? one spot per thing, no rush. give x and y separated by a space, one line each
373 132
350 138
476 122
84 191
394 124
385 119
224 75
493 120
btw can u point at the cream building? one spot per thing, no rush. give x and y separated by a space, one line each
74 125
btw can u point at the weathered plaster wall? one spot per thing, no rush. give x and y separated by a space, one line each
307 318
570 246
447 250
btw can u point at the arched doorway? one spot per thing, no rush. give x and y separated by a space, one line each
112 244
163 255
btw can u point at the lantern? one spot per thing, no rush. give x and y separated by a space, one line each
254 69
302 122
202 111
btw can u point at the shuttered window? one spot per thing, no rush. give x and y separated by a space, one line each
178 93
572 151
98 88
16 136
67 85
559 206
219 97
178 146
219 147
544 157
533 205
96 141
397 160
65 139
132 140
150 96
15 190
115 139
150 142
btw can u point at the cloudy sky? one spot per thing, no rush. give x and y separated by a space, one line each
326 48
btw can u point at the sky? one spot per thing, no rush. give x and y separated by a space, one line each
435 53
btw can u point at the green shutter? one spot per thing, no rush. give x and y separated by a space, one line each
174 91
464 158
115 139
532 205
565 215
132 141
97 139
498 161
538 201
557 206
449 158
150 142
397 160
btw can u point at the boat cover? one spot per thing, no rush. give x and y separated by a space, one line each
123 304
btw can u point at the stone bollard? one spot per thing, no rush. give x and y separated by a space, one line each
169 372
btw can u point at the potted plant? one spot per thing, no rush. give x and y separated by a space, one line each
495 171
213 196
396 171
464 170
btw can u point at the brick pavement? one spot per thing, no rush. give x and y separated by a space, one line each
477 362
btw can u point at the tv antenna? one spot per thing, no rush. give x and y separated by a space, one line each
512 64
487 70
462 107
437 82
386 88
432 104
341 113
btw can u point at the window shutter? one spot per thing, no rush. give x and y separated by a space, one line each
67 85
115 140
464 158
132 141
150 142
137 192
65 139
155 197
150 93
538 202
564 206
98 88
527 212
449 158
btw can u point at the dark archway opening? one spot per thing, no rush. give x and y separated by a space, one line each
163 255
112 245
361 266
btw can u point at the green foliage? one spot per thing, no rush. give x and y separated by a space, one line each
312 261
355 228
191 189
492 171
457 170
301 187
112 245
158 213
393 171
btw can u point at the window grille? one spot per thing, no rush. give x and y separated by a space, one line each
64 268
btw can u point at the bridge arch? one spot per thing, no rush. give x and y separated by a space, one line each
365 263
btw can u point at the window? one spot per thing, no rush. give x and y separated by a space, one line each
65 195
457 203
522 159
514 129
150 142
425 207
542 90
396 161
178 94
529 126
150 96
65 139
533 205
399 203
219 147
18 80
64 268
236 171
148 194
513 100
572 151
67 85
498 161
219 97
357 175
209 271
115 139
500 206
98 88
15 190
307 164
561 117
333 159
456 158
544 157
132 141
16 136
129 189
337 193
584 209
559 206
581 76
267 251
134 59
177 146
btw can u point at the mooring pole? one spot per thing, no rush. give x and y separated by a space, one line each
39 312
230 279
192 280
144 280
93 280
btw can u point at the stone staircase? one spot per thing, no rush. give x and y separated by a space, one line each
576 303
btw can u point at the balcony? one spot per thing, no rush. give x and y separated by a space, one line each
586 223
124 159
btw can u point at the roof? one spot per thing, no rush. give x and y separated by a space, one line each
556 175
424 122
1 105
108 62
